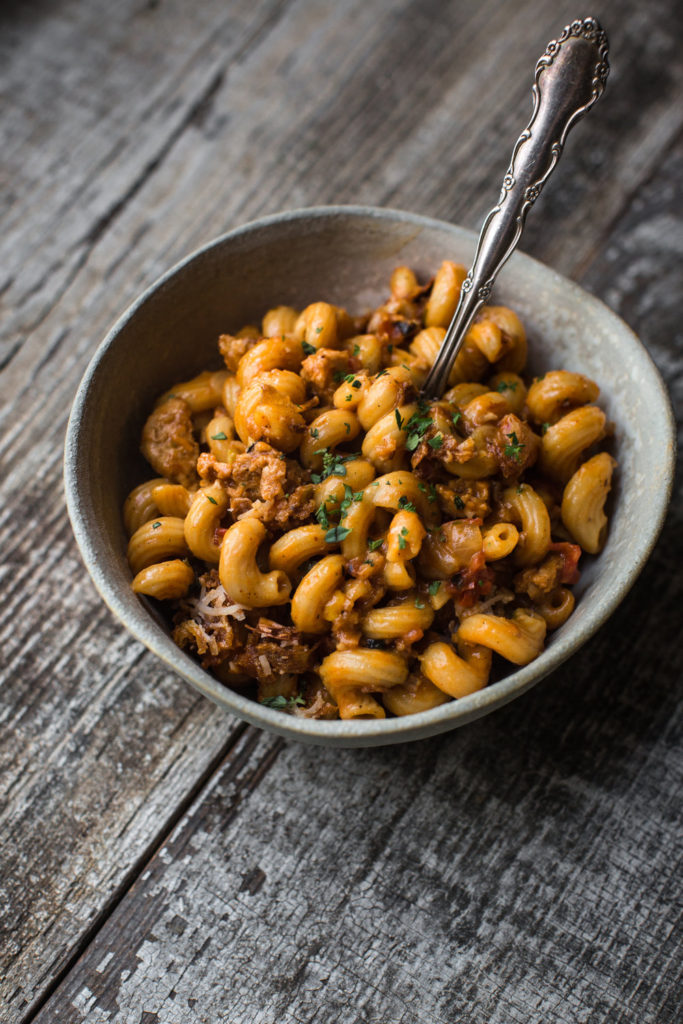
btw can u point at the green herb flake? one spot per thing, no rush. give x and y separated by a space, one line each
356 384
435 442
333 464
309 349
382 373
399 419
321 516
506 385
406 505
417 426
457 416
318 330
514 449
356 350
337 534
432 493
458 502
434 588
544 428
347 427
315 432
281 703
520 489
374 544
418 603
155 526
402 538
219 437
209 498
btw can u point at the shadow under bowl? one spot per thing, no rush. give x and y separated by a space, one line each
345 255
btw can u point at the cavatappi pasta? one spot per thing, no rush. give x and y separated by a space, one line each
335 546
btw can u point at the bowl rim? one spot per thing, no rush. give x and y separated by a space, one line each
355 732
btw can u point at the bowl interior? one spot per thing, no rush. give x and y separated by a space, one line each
345 256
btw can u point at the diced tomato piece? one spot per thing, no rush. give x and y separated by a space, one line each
570 554
473 583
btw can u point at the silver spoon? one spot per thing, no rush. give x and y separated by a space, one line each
570 77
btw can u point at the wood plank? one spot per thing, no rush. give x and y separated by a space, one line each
522 868
147 129
116 86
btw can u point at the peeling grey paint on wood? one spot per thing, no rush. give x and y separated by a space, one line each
160 861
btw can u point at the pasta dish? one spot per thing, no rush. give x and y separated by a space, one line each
335 546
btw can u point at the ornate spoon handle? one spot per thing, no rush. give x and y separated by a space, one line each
570 76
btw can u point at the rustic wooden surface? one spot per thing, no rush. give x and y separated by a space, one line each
161 862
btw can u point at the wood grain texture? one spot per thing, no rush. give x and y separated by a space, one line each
522 868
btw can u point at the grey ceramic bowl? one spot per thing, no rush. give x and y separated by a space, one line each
345 255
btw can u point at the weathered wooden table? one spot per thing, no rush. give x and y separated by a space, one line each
162 862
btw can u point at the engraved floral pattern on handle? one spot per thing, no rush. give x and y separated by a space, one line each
569 77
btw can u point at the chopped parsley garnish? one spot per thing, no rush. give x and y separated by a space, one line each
348 398
544 428
315 432
356 350
349 497
209 498
406 505
318 330
321 516
219 437
435 442
418 424
514 449
155 526
431 493
333 465
419 603
520 489
337 534
506 385
402 538
281 703
399 419
458 502
308 348
382 373
456 417
374 544
434 587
